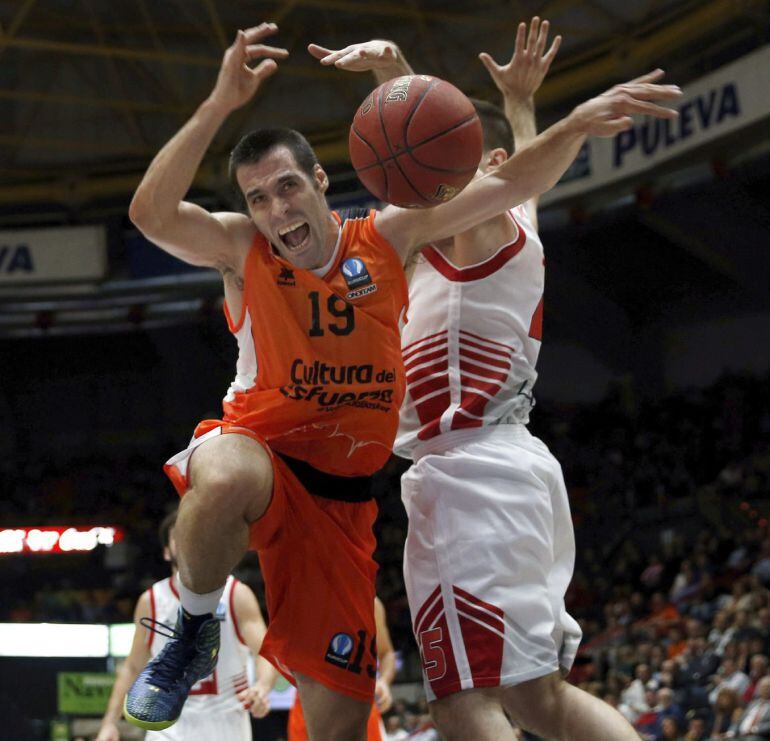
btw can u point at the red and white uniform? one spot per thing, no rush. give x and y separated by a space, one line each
490 549
212 709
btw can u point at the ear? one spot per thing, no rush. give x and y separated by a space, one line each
321 178
494 157
167 554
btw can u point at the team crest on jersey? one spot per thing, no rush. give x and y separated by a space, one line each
340 648
355 273
286 277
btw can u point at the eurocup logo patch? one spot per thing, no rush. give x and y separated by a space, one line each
340 648
355 273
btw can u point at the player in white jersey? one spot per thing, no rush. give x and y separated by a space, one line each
490 549
218 706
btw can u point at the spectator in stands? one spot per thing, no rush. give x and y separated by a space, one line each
729 676
754 723
727 702
758 665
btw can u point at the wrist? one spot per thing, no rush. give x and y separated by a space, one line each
515 100
215 107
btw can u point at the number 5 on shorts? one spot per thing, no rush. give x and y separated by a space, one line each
433 659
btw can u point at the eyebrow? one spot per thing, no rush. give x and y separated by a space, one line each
281 179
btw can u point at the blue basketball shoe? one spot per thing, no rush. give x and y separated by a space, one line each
156 698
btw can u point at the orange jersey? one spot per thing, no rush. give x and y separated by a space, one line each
319 374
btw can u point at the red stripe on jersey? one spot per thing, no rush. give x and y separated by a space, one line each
232 611
481 270
441 367
489 387
473 403
173 588
405 348
419 359
460 422
491 342
422 612
536 325
428 386
432 409
483 358
422 348
469 367
430 430
465 342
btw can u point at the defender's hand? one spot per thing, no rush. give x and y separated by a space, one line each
383 699
238 82
255 699
523 75
368 56
610 113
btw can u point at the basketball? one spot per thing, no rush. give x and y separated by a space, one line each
415 141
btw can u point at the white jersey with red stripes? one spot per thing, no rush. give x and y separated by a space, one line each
472 339
212 709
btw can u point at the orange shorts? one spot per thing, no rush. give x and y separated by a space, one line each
316 556
297 731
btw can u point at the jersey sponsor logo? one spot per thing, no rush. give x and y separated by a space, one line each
311 382
340 648
355 273
360 292
286 277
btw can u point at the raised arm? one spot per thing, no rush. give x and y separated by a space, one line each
383 58
519 80
184 229
532 170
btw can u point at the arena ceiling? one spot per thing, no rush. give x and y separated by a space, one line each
90 89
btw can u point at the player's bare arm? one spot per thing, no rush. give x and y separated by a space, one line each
158 208
137 657
531 171
253 630
386 659
381 57
520 79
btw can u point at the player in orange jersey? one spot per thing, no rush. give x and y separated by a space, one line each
386 673
315 299
490 548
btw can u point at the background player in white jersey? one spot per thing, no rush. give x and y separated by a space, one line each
490 549
219 705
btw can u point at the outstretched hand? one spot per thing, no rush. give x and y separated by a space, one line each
368 56
610 113
523 75
256 700
238 81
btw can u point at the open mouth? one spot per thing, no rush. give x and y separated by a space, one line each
295 236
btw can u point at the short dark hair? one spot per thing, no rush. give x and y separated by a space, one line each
496 127
164 529
255 145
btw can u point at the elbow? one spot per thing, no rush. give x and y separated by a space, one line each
143 215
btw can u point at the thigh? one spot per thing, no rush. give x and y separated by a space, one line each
330 715
472 714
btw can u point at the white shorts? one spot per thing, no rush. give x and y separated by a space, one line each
488 558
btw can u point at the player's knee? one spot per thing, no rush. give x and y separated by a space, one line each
241 482
534 705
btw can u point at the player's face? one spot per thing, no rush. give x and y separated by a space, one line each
289 208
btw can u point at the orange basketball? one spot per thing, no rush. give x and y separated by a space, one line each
415 141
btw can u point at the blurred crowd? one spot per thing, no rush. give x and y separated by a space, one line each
670 502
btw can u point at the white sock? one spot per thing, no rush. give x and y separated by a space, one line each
199 604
